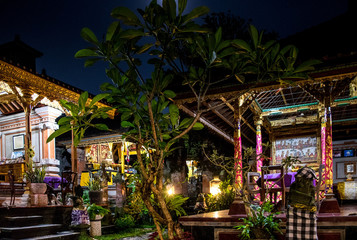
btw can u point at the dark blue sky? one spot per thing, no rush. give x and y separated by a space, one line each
53 27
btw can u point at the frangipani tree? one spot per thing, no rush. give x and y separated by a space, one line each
178 52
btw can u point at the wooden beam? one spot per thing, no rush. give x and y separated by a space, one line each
6 98
208 124
243 119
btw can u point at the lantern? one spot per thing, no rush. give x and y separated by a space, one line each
214 185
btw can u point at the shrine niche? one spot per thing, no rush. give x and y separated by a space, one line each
304 148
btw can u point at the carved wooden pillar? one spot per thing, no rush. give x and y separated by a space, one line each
328 150
259 145
238 146
237 207
322 114
27 110
329 204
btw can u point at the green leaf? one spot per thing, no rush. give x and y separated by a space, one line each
174 114
97 98
111 30
185 123
89 36
145 47
181 6
254 35
197 126
82 100
60 131
241 44
85 53
218 36
166 136
126 15
195 13
125 116
307 66
170 8
101 126
90 62
126 124
64 120
131 33
169 94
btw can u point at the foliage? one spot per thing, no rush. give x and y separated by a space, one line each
186 236
80 116
223 199
34 174
260 220
174 203
124 233
86 197
228 165
118 178
125 221
135 205
94 184
180 52
289 161
94 210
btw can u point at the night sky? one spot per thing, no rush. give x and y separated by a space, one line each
53 27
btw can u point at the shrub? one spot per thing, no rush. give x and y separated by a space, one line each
125 221
222 200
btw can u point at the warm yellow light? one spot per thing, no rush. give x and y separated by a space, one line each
171 190
215 190
214 185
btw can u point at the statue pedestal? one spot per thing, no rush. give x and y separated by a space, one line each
329 205
39 200
237 207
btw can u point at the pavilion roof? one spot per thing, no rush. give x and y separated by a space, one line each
287 109
17 80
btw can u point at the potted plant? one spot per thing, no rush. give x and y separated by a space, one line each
96 213
95 190
289 162
35 175
260 223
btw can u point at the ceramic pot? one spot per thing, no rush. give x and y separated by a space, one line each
95 197
38 188
96 226
260 233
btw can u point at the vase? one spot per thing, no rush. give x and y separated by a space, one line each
96 226
95 197
38 188
260 233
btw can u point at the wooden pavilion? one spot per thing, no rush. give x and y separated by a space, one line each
28 110
320 113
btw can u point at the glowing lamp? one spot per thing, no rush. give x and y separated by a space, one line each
170 189
214 185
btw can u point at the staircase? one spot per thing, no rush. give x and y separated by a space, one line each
34 227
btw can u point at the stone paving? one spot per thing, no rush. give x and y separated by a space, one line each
143 237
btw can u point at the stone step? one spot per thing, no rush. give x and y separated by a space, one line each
29 231
65 235
21 221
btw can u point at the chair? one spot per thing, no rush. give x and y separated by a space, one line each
273 184
16 188
68 182
319 186
252 185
